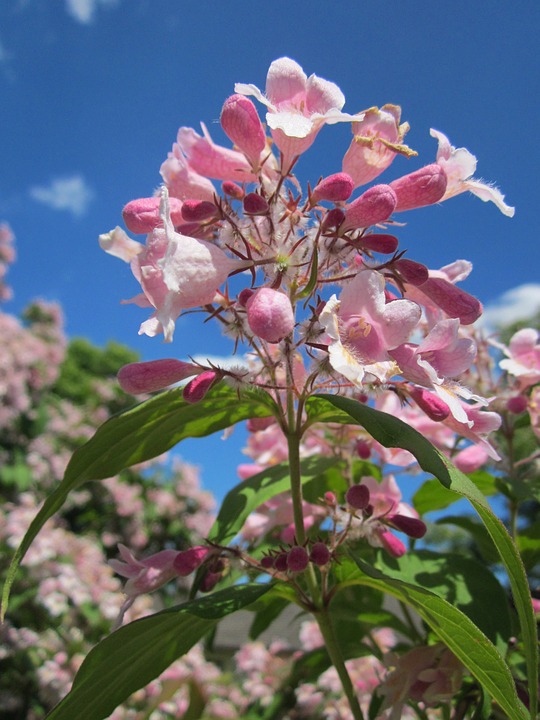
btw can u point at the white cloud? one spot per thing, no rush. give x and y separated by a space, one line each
225 362
519 303
68 193
83 11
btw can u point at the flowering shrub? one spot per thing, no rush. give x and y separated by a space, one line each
355 365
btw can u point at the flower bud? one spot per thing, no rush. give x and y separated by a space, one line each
297 559
188 561
392 544
267 562
244 295
413 527
386 244
199 211
411 271
146 377
280 562
209 581
240 122
255 204
257 424
270 315
372 207
142 216
357 496
197 388
454 301
363 449
233 190
330 498
332 219
435 408
422 187
517 404
320 554
334 188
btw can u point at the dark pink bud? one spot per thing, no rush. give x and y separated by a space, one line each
363 449
142 216
411 271
422 187
190 229
209 581
413 527
257 424
297 559
330 498
392 544
198 211
197 388
241 123
244 295
386 244
332 219
280 563
456 303
145 377
517 404
435 408
334 188
320 554
267 562
372 207
358 496
270 315
233 190
255 204
188 561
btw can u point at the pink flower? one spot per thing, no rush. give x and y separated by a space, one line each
145 377
378 138
362 328
334 188
420 188
298 106
240 121
372 207
270 315
459 165
142 215
523 357
120 245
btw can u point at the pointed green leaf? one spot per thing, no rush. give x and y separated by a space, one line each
317 474
141 433
457 632
390 431
137 653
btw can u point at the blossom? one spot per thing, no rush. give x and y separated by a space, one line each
378 138
459 166
362 328
270 315
523 357
298 106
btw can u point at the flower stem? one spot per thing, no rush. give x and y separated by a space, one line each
334 651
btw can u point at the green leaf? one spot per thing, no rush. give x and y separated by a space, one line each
393 432
478 532
457 632
317 474
141 433
528 541
137 653
433 496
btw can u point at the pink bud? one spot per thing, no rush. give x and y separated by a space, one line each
233 190
142 216
297 559
435 408
244 295
358 496
267 562
198 211
456 303
145 377
197 388
255 204
270 315
363 449
330 498
422 187
392 544
188 561
209 581
517 404
320 554
280 563
241 123
385 244
411 271
334 188
332 219
372 207
413 527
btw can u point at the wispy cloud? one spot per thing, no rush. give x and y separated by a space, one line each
519 303
226 362
84 11
71 194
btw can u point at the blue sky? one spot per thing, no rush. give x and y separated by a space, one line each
93 92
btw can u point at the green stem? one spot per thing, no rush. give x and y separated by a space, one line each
334 651
293 443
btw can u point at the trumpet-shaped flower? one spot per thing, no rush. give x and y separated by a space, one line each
298 106
523 359
459 165
362 327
